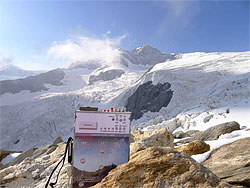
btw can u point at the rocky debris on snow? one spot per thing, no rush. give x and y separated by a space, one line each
232 162
106 75
214 132
180 134
149 97
207 118
191 133
161 167
193 148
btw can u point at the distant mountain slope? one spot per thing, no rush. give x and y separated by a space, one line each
199 81
11 72
32 83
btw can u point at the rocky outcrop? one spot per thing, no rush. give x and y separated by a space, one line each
193 148
106 75
149 97
214 132
161 167
232 162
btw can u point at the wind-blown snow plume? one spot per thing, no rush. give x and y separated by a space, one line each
85 49
4 61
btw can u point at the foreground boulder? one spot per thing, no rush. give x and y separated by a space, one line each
232 162
161 167
193 148
214 132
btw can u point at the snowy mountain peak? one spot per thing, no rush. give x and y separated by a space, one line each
147 49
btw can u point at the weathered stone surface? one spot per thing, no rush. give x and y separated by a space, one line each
214 132
135 147
180 134
58 140
149 97
161 167
157 137
193 148
145 139
232 162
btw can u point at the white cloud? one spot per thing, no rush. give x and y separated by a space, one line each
5 61
179 14
83 49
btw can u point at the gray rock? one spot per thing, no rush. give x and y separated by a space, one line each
207 119
149 97
214 132
232 162
180 134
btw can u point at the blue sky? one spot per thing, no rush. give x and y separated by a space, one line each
38 34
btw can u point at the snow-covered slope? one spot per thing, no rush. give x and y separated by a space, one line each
203 84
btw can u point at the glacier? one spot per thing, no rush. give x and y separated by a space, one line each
203 84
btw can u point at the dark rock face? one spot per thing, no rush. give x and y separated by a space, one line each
149 97
214 132
32 83
105 76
